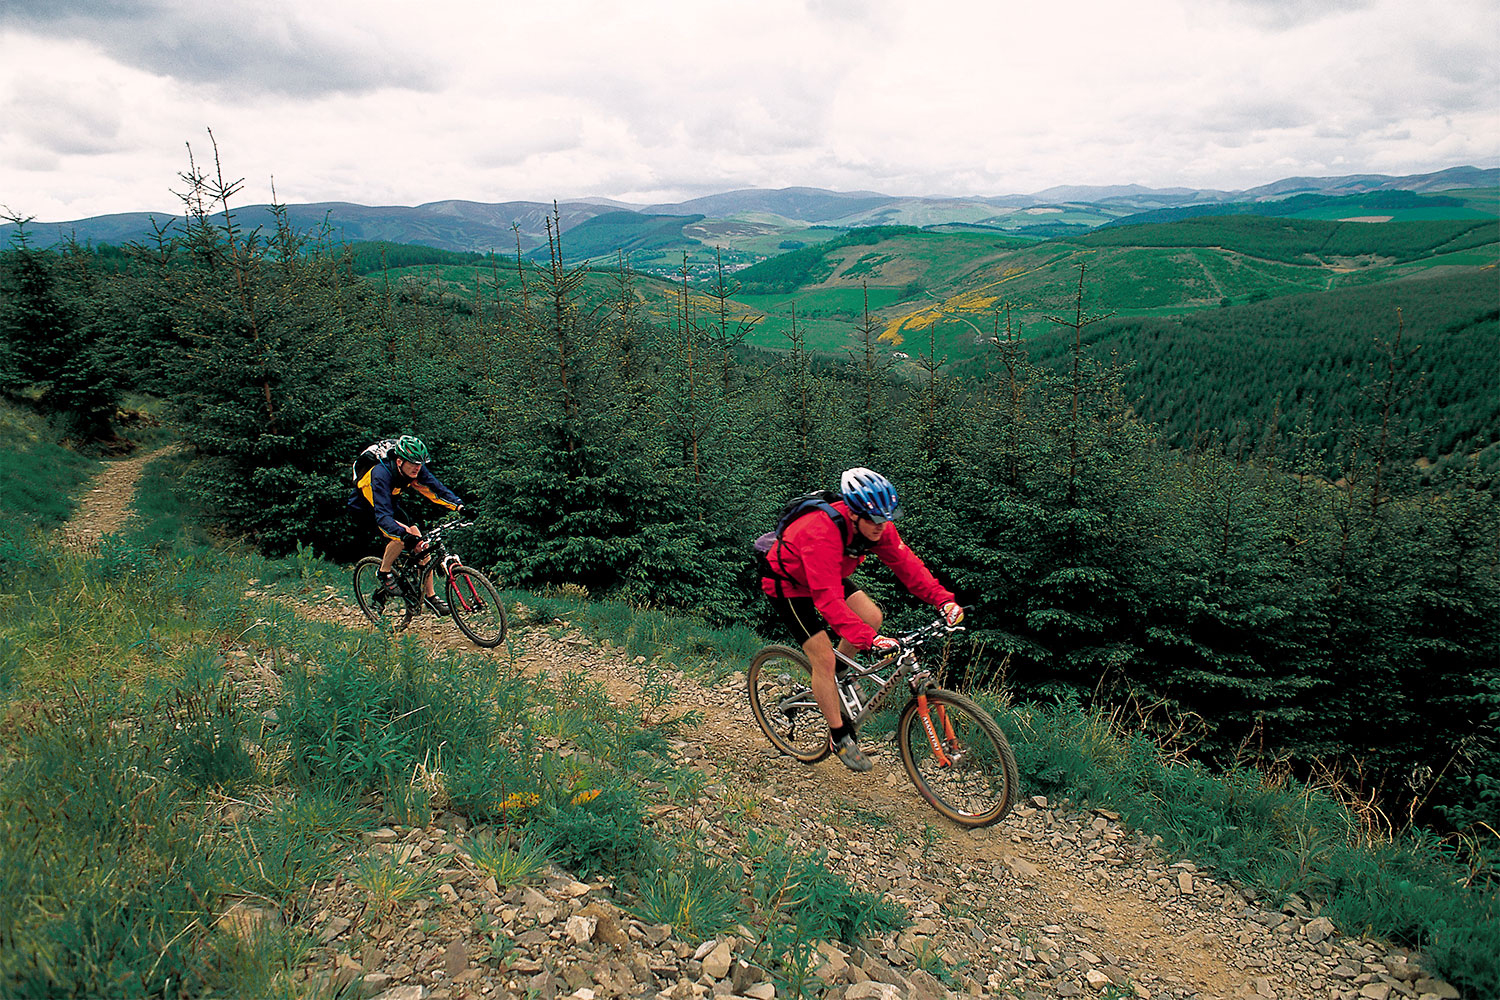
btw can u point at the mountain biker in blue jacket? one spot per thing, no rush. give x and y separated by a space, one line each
374 502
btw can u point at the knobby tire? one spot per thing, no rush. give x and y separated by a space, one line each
780 683
476 607
979 784
365 585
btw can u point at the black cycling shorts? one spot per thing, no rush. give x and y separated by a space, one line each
366 516
802 618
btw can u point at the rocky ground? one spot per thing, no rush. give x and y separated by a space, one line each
1052 902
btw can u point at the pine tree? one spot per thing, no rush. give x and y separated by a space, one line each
52 336
265 379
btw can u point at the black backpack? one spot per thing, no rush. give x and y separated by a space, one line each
796 507
371 457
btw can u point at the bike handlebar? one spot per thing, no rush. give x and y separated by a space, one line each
912 640
435 533
448 524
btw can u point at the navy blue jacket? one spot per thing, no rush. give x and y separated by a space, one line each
379 487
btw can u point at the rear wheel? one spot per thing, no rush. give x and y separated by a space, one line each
780 681
963 766
380 610
476 606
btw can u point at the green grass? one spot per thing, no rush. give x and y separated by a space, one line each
1276 837
844 303
126 723
697 894
510 860
123 725
40 491
386 880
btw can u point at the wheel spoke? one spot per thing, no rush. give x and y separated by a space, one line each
782 700
964 765
381 611
476 606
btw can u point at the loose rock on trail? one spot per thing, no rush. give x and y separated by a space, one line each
1054 901
105 508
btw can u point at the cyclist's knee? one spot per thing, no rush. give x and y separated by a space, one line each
819 650
861 604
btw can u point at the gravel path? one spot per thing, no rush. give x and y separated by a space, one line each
1051 902
106 506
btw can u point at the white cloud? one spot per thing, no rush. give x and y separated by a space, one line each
57 116
252 46
383 102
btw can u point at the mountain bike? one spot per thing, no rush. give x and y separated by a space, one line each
476 605
953 751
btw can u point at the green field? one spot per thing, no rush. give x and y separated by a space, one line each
948 293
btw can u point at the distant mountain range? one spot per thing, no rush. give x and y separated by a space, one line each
600 226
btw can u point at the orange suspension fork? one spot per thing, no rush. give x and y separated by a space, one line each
932 736
948 732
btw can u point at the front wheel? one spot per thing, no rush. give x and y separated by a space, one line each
477 607
380 609
958 758
780 681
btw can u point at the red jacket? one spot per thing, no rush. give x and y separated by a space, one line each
811 554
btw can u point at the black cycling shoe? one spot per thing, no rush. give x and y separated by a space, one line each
438 606
848 751
385 588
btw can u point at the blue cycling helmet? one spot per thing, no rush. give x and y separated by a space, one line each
870 495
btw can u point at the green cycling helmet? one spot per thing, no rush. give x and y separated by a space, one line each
412 449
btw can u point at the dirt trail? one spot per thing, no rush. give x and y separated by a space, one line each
1027 887
1052 901
1043 892
105 508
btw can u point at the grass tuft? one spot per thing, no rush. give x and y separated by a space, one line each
697 895
510 859
388 880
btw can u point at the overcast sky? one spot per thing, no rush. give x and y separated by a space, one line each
389 103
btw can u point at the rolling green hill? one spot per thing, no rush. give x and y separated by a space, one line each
1375 206
623 232
949 292
952 291
474 288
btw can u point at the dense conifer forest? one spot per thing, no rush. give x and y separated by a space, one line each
1261 374
1219 523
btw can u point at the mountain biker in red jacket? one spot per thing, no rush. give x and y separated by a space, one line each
813 560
